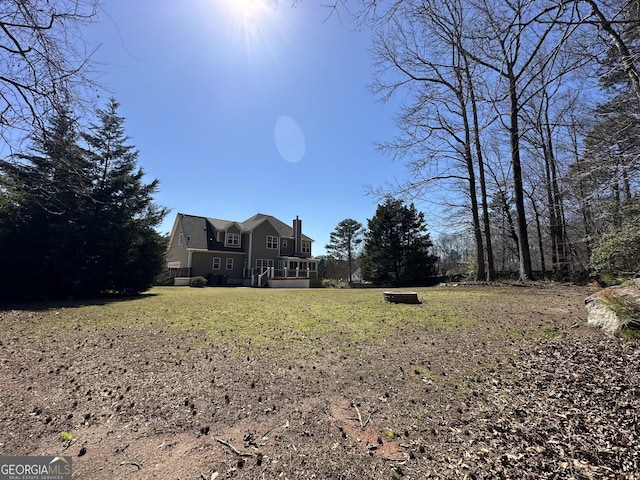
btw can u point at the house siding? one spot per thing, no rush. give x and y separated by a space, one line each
260 249
202 265
288 250
177 252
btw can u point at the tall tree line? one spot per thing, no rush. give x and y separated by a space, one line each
76 216
524 112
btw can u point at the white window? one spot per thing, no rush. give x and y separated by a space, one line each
284 243
262 264
272 242
306 247
181 238
233 240
312 266
216 263
229 263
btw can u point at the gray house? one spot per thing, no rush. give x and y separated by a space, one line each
260 251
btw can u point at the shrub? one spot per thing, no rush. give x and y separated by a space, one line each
332 283
198 282
617 251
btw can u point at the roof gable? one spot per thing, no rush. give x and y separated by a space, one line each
281 227
197 230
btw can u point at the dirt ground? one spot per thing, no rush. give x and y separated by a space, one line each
546 398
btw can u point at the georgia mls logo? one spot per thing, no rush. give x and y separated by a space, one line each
35 468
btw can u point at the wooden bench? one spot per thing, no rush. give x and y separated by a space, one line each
401 297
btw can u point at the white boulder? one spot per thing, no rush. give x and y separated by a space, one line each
615 308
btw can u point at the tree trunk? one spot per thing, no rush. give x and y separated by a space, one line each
491 268
536 214
559 227
513 234
518 189
477 230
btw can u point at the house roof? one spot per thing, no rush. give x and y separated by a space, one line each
282 228
196 227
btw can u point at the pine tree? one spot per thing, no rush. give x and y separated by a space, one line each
47 192
397 246
617 251
75 221
344 241
128 253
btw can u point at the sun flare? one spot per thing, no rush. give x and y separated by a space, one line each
250 26
247 9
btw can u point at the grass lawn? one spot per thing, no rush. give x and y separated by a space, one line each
267 317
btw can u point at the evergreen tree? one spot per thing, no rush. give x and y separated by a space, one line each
344 241
47 193
127 252
617 251
397 245
77 221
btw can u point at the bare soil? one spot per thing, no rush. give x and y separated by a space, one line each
528 392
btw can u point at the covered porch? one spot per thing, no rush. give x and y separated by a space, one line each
292 272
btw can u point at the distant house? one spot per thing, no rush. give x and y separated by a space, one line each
260 251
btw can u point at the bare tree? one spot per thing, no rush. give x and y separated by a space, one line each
421 51
503 223
555 95
43 61
454 58
510 38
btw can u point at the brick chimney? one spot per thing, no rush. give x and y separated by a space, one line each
297 236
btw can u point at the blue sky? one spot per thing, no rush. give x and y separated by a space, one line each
243 110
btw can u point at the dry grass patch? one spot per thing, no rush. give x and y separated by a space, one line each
317 384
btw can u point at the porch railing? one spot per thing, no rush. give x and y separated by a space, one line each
179 272
261 276
264 277
277 272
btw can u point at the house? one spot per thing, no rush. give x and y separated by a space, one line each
260 251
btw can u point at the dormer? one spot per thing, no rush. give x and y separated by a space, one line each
232 236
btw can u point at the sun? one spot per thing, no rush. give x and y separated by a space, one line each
250 27
250 21
249 16
247 9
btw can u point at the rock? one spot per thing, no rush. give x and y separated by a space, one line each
615 308
401 297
